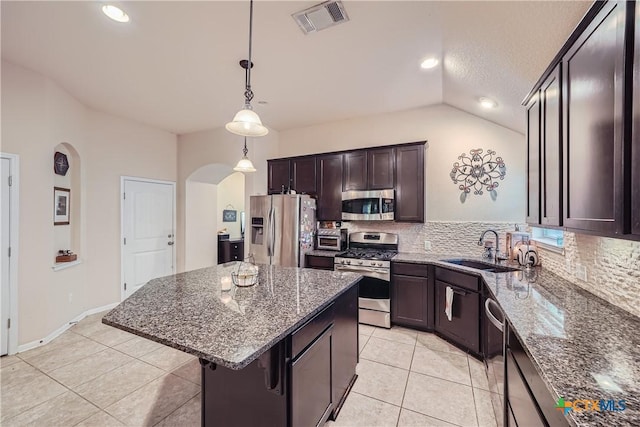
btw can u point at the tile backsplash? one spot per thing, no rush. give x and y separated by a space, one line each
612 265
446 237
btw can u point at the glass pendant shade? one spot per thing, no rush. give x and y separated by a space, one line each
247 123
244 165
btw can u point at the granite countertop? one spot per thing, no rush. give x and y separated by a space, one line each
582 346
319 252
189 312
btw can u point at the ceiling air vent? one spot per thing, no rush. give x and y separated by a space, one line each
321 16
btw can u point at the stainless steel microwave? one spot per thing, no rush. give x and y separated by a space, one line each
373 205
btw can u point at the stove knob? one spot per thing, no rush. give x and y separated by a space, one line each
348 262
373 263
360 262
379 264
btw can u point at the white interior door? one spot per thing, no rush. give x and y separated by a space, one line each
5 232
148 232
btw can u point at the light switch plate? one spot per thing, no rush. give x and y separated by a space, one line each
427 245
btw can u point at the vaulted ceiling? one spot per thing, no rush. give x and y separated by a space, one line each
175 64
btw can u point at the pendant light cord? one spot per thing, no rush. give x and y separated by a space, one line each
248 93
244 150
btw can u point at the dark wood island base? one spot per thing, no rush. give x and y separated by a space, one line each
301 381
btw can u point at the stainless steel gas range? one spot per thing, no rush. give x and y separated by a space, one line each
370 254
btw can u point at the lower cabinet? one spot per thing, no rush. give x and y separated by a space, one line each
463 328
319 262
344 349
528 399
411 296
230 250
311 383
301 381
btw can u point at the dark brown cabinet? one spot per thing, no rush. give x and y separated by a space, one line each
311 383
344 349
355 171
230 250
298 173
411 296
528 399
533 159
278 175
319 262
635 138
329 185
463 328
380 166
593 124
303 175
551 150
409 180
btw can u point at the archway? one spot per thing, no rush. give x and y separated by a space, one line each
208 190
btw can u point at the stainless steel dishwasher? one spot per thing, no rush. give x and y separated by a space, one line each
493 348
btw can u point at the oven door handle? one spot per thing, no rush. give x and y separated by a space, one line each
358 269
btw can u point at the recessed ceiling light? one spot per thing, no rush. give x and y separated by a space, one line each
429 63
487 103
115 13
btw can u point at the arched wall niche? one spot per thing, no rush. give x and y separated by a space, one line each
68 237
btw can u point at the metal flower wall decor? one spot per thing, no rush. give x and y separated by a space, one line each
478 172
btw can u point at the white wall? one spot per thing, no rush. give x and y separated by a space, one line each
209 156
200 230
37 115
449 132
231 192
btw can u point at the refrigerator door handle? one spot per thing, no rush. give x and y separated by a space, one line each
273 231
268 230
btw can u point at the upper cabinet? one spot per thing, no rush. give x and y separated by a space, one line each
380 166
551 149
635 139
298 173
533 160
355 171
409 178
278 175
329 185
583 128
370 169
327 175
593 70
303 174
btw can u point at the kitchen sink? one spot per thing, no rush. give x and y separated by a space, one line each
479 265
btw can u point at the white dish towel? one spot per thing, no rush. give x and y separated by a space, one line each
448 306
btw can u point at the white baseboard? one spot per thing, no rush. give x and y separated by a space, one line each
63 328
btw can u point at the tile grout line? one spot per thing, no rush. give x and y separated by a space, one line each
406 383
473 393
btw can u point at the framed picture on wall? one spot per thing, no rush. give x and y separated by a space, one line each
61 205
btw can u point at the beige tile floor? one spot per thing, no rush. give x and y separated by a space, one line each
97 376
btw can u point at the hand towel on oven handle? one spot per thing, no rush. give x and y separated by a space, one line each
448 305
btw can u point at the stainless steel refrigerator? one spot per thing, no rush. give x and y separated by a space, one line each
282 228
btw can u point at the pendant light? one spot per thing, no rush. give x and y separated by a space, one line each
246 122
244 165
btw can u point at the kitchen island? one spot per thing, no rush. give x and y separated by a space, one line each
282 352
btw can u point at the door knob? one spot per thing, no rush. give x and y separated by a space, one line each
170 243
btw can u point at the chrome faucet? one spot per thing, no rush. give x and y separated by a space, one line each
498 256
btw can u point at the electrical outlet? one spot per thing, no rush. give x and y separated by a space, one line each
427 245
567 266
581 272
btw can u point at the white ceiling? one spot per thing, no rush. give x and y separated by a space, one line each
175 65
